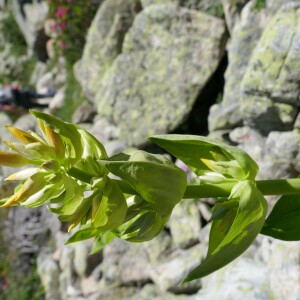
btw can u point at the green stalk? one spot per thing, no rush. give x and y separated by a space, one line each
208 190
267 187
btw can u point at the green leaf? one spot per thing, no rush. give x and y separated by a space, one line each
67 130
83 233
234 231
145 227
112 209
284 220
154 177
101 241
72 197
204 154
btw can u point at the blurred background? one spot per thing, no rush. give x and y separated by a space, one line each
128 69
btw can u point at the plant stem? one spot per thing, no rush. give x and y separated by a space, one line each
267 187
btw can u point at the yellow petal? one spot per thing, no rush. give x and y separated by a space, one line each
21 135
55 141
22 175
30 187
13 160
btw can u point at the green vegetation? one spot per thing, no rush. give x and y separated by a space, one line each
74 96
260 4
20 72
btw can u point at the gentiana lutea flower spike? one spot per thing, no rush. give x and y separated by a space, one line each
68 169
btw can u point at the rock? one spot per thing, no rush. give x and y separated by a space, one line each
39 72
242 279
244 38
104 42
45 82
282 155
80 258
158 247
250 141
168 275
67 267
104 130
85 113
48 271
58 100
89 286
272 78
28 232
26 122
283 261
150 291
121 266
30 16
114 147
265 115
232 10
146 3
163 45
185 224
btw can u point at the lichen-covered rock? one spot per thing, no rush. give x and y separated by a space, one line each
168 274
274 68
273 73
185 224
120 265
48 271
266 115
232 9
30 16
244 38
104 42
168 55
146 3
269 269
282 155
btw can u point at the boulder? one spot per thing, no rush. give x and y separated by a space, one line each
178 47
48 271
232 10
269 269
30 16
104 42
167 275
244 38
185 224
272 78
282 155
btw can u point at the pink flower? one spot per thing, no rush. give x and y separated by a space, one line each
54 27
61 11
63 45
63 25
5 284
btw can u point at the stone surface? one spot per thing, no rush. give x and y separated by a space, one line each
163 45
104 42
30 16
244 38
282 155
273 74
85 113
168 274
185 224
232 10
48 271
120 264
269 269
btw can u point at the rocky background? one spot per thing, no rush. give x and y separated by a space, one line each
229 69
